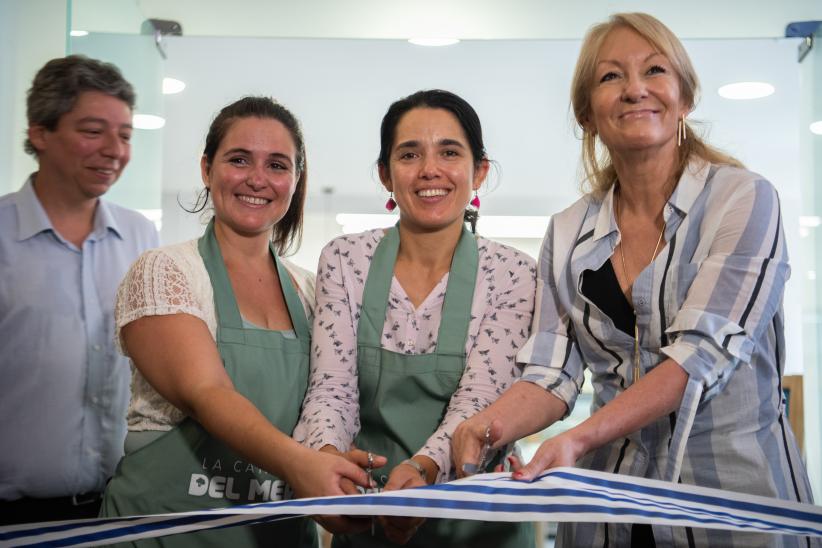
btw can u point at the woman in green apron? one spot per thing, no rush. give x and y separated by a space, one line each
218 333
417 326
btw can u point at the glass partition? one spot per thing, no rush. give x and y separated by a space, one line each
340 89
113 32
809 272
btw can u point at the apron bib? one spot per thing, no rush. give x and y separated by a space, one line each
186 468
403 398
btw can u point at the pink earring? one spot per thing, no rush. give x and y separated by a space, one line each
475 201
391 204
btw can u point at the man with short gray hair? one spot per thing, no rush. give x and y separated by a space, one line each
63 252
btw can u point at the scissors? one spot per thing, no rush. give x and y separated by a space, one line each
368 471
470 469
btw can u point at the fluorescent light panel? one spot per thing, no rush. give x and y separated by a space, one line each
816 127
153 215
78 33
434 42
491 226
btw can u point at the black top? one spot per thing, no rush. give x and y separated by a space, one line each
602 288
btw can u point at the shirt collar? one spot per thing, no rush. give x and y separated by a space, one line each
104 221
32 218
605 222
690 184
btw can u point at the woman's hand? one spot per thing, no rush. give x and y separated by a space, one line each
468 439
400 529
321 474
561 450
349 524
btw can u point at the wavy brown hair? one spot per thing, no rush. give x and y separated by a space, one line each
287 233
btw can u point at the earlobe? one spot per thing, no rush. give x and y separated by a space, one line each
587 126
37 137
385 178
481 173
204 171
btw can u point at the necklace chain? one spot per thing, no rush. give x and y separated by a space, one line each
637 360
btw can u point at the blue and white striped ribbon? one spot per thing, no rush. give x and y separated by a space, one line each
561 494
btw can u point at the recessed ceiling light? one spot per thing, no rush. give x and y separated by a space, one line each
79 33
173 85
746 90
434 41
148 121
816 127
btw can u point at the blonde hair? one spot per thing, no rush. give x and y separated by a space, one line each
600 174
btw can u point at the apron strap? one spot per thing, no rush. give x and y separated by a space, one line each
459 293
292 300
376 289
229 321
228 314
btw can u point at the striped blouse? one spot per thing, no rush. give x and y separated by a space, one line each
711 301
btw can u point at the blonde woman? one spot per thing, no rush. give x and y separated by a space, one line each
666 282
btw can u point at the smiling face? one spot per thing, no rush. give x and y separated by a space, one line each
252 176
88 150
636 99
431 169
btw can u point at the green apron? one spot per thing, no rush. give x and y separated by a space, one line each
186 468
403 398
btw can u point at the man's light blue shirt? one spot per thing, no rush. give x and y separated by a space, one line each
64 388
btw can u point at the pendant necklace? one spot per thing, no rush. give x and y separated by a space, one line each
636 368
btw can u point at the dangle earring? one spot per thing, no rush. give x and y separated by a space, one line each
475 201
681 135
391 204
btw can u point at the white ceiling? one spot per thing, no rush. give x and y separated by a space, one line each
467 19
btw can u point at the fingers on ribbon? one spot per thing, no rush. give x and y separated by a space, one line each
542 460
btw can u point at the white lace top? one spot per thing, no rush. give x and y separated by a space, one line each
173 280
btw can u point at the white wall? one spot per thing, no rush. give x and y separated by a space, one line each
468 19
31 33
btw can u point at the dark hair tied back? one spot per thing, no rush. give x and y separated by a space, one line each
435 98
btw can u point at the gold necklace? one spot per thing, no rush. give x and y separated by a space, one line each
636 369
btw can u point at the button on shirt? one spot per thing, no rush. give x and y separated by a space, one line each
64 387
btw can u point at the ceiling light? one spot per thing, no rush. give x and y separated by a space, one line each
434 41
746 90
148 121
816 127
173 85
491 226
79 33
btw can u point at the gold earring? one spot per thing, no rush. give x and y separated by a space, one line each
681 134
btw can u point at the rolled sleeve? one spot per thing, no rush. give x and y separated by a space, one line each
736 291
